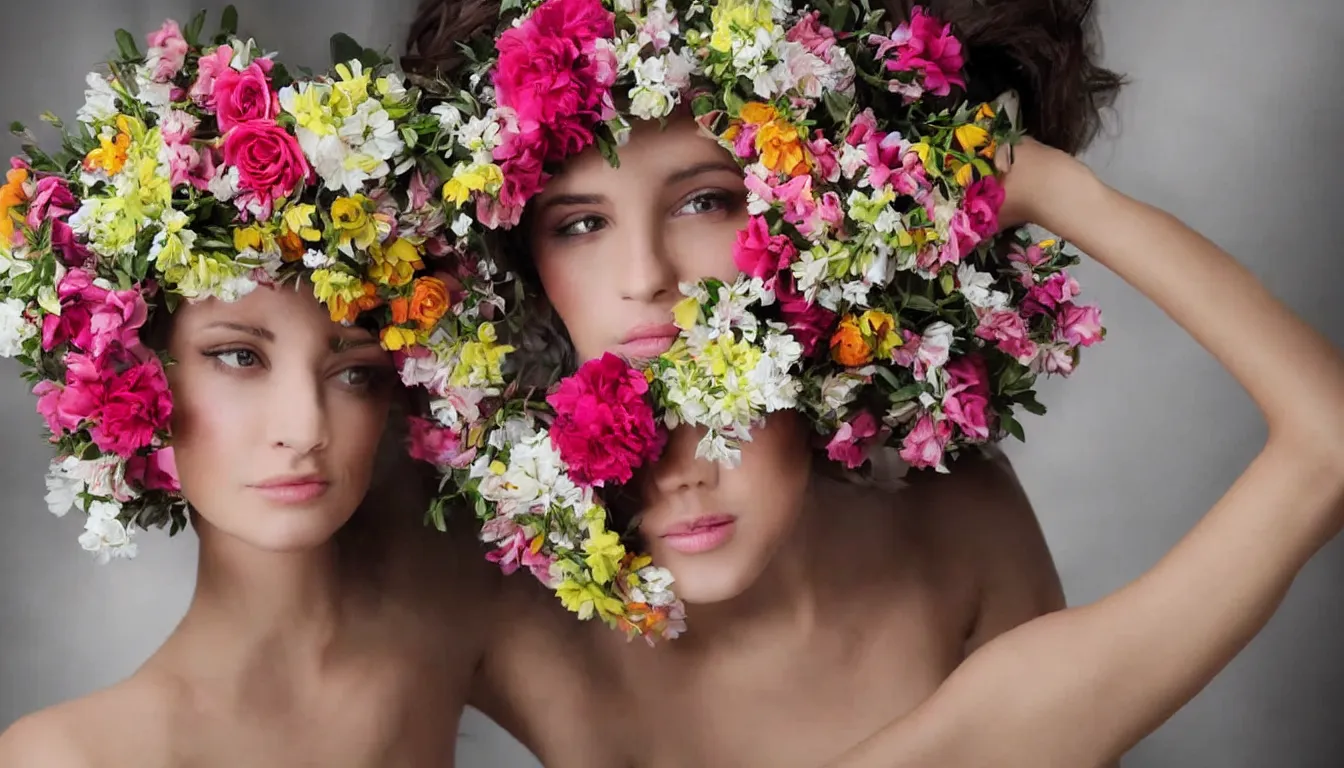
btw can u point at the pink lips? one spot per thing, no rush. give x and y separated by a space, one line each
648 341
293 490
703 534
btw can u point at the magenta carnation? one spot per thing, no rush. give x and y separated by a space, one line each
926 45
135 406
604 426
757 253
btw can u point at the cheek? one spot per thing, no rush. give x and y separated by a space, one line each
586 303
705 248
210 432
356 442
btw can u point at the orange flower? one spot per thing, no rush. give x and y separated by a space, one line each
346 312
848 346
291 247
110 154
781 150
429 301
757 113
401 309
11 194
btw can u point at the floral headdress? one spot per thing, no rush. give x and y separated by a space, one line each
201 169
876 294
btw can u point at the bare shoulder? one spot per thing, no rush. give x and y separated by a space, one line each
107 727
980 515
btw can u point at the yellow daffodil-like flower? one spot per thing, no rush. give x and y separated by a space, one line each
781 148
738 18
484 177
12 194
724 354
587 599
604 553
304 102
395 338
353 223
395 264
479 364
338 290
112 152
298 220
880 327
971 137
350 90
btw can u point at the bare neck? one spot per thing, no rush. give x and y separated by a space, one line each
262 625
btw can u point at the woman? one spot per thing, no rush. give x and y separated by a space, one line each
309 638
824 610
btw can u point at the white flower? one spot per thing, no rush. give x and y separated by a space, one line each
157 96
838 390
935 346
105 535
315 259
100 101
977 287
224 185
462 225
450 117
14 327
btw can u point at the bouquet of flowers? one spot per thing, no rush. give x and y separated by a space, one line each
876 294
201 168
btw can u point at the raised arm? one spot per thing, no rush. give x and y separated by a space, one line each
1080 687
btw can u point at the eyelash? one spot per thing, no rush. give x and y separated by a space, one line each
722 198
373 376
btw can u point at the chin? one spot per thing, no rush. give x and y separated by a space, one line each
700 581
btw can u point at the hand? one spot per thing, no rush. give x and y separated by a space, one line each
1035 175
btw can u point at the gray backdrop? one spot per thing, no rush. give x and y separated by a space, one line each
1232 123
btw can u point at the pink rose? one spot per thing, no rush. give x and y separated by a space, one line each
757 253
604 426
208 68
136 405
983 200
1079 326
855 439
270 165
966 401
923 446
155 472
809 324
241 97
437 445
1007 328
167 52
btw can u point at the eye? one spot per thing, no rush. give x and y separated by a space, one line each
581 226
711 201
363 378
235 358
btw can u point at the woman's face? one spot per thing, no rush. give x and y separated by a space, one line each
611 246
277 415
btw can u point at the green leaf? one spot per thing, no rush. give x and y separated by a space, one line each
886 375
839 15
1030 404
193 30
280 76
510 5
1012 427
228 23
608 150
344 48
904 394
126 45
919 303
733 102
371 59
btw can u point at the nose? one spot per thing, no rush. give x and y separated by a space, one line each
679 470
298 416
647 271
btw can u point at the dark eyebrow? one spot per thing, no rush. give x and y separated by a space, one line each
559 200
344 344
260 333
699 169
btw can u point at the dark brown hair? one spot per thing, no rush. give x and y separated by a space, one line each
1046 50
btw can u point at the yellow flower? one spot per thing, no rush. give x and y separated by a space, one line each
338 290
757 113
686 312
308 110
466 179
395 264
781 150
111 154
742 17
724 354
480 361
299 220
350 91
353 222
589 598
247 237
881 328
986 112
394 338
604 552
498 467
964 173
972 137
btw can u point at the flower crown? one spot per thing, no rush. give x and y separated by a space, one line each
876 293
201 169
